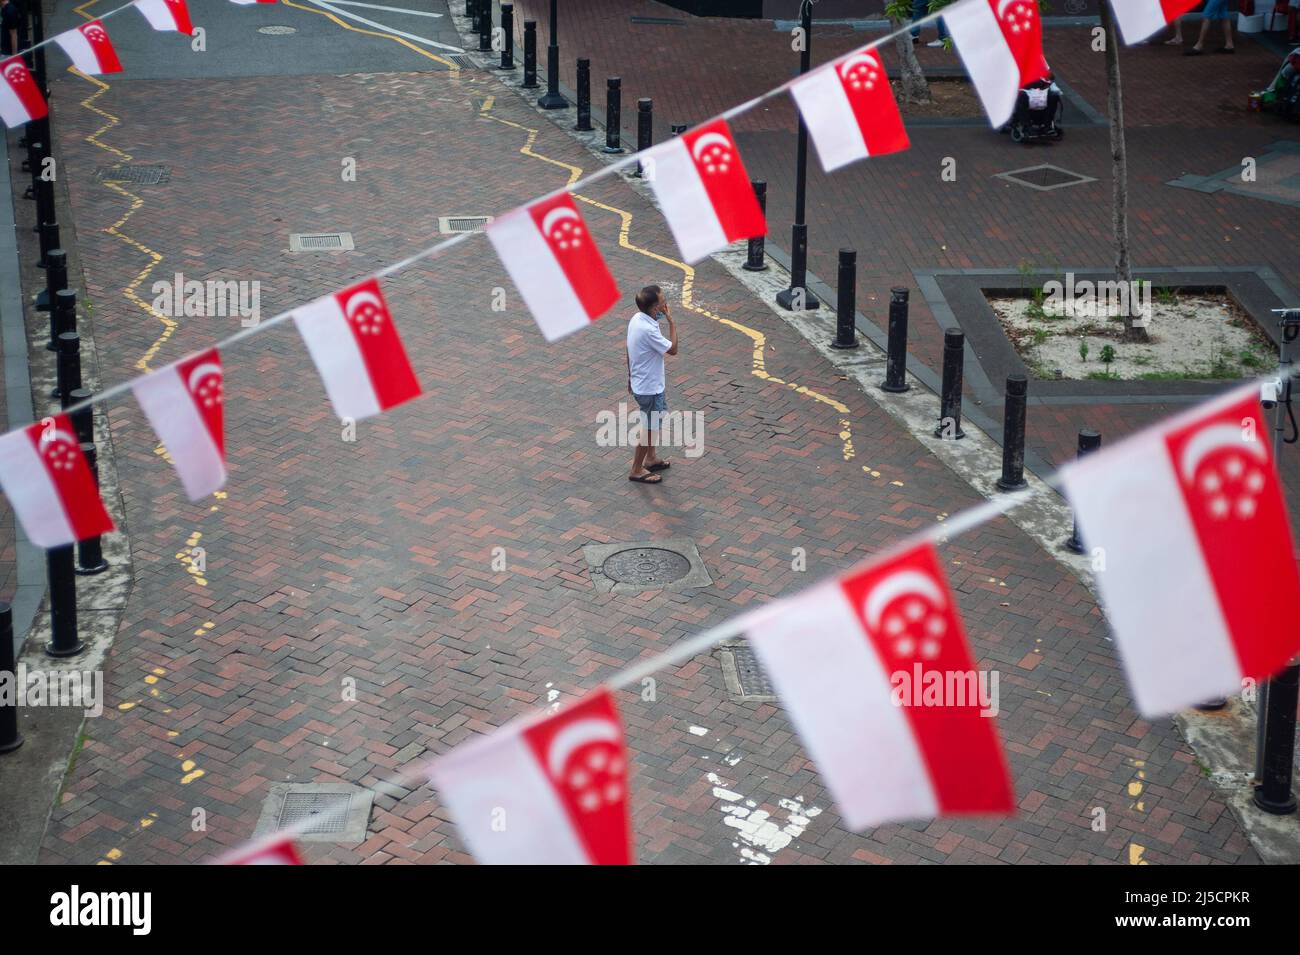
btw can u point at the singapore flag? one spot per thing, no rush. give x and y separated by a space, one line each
356 348
550 255
89 49
183 404
1138 19
1001 44
849 109
877 677
166 15
1194 555
551 791
20 100
275 850
704 190
49 484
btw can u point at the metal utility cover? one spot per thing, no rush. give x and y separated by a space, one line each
321 242
1045 177
744 675
673 564
451 224
143 175
335 812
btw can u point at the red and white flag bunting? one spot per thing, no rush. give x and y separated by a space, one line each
1195 560
49 484
246 3
1138 19
90 49
183 403
356 348
20 100
553 791
553 260
166 15
704 190
1001 44
279 851
876 674
850 111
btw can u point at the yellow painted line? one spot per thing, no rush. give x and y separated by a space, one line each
758 341
450 64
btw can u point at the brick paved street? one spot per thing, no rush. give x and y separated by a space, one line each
327 561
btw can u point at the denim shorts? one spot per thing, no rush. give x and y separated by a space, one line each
1216 10
649 405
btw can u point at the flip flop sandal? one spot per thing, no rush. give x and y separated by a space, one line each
658 466
646 479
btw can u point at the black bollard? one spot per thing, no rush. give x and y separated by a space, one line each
1273 795
613 115
61 565
56 280
676 129
949 427
1089 441
530 55
65 313
10 738
644 128
49 240
846 297
68 368
1013 435
552 99
83 419
485 27
757 247
583 125
896 351
90 552
508 28
473 10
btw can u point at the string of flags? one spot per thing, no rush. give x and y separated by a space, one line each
864 663
1172 509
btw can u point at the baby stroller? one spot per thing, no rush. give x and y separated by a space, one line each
1039 107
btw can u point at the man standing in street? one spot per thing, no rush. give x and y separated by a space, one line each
10 18
646 347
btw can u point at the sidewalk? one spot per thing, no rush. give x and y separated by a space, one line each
372 561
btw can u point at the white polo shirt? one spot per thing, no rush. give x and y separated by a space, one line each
646 347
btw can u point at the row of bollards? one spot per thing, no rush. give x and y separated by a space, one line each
86 557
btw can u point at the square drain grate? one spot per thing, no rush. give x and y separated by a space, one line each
148 175
744 675
329 812
321 242
450 224
1044 178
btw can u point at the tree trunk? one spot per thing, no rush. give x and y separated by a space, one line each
910 77
1119 169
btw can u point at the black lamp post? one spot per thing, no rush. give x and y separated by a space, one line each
552 99
797 295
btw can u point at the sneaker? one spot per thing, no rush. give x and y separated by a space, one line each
935 43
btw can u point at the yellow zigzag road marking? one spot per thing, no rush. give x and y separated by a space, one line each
451 64
757 339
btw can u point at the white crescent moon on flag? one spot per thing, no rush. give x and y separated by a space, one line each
894 586
575 736
202 371
849 64
363 298
555 215
1211 439
14 71
95 32
708 139
52 437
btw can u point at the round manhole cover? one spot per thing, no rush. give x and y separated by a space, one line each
645 565
277 31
